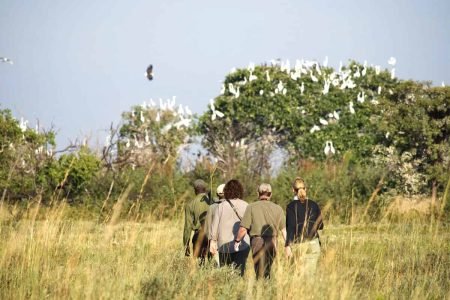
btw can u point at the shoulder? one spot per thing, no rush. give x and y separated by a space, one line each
291 204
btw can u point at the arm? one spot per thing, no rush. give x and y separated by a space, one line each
213 234
187 229
241 233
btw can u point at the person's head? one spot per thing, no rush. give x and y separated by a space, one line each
233 190
264 191
200 186
299 188
219 191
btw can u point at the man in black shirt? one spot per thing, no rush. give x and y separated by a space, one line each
303 219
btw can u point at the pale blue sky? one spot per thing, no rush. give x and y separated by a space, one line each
80 64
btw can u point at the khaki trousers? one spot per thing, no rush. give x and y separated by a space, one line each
306 255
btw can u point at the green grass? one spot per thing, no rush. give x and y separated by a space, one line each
58 258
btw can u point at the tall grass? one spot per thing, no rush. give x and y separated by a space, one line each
53 257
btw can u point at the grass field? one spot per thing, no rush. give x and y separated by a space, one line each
57 258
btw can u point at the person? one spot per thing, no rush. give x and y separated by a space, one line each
194 219
210 215
225 226
263 220
303 220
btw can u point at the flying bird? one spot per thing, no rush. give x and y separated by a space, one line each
215 113
149 72
6 60
392 61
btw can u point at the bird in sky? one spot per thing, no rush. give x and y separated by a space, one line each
392 61
149 72
6 60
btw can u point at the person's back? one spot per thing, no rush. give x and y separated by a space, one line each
267 218
263 220
195 215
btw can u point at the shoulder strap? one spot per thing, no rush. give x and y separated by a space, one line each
234 208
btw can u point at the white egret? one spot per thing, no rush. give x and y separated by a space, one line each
325 62
350 107
6 60
302 88
393 73
377 70
329 148
261 92
361 97
215 113
392 61
323 121
267 75
326 87
158 117
314 129
379 90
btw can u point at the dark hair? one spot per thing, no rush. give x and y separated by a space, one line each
233 189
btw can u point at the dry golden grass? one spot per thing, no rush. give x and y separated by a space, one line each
57 258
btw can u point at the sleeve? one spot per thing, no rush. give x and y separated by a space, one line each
187 225
214 232
246 221
208 221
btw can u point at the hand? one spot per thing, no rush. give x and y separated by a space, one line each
288 251
187 252
236 245
213 247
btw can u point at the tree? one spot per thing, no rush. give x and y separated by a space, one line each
297 109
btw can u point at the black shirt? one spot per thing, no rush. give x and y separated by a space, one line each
297 229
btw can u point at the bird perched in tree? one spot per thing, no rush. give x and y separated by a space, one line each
149 73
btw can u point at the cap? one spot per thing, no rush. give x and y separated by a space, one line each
220 189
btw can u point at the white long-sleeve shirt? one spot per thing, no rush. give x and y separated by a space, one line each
225 226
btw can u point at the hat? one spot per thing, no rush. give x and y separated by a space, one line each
199 184
219 190
265 188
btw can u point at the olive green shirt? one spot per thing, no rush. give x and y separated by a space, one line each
194 215
263 218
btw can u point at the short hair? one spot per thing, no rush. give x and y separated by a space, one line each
200 185
233 190
265 190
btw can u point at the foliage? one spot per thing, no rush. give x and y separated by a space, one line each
23 154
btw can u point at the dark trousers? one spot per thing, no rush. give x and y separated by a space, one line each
236 259
200 245
263 252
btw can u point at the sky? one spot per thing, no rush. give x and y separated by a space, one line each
79 64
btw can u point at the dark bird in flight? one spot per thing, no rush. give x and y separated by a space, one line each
149 73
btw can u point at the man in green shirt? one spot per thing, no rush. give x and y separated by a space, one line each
194 219
262 221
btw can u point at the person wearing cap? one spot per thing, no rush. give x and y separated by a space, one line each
194 220
210 215
225 227
303 220
263 220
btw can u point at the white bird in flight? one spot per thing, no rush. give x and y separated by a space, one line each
215 113
6 60
392 61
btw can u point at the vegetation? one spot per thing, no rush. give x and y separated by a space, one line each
81 224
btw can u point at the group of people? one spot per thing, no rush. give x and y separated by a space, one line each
227 227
